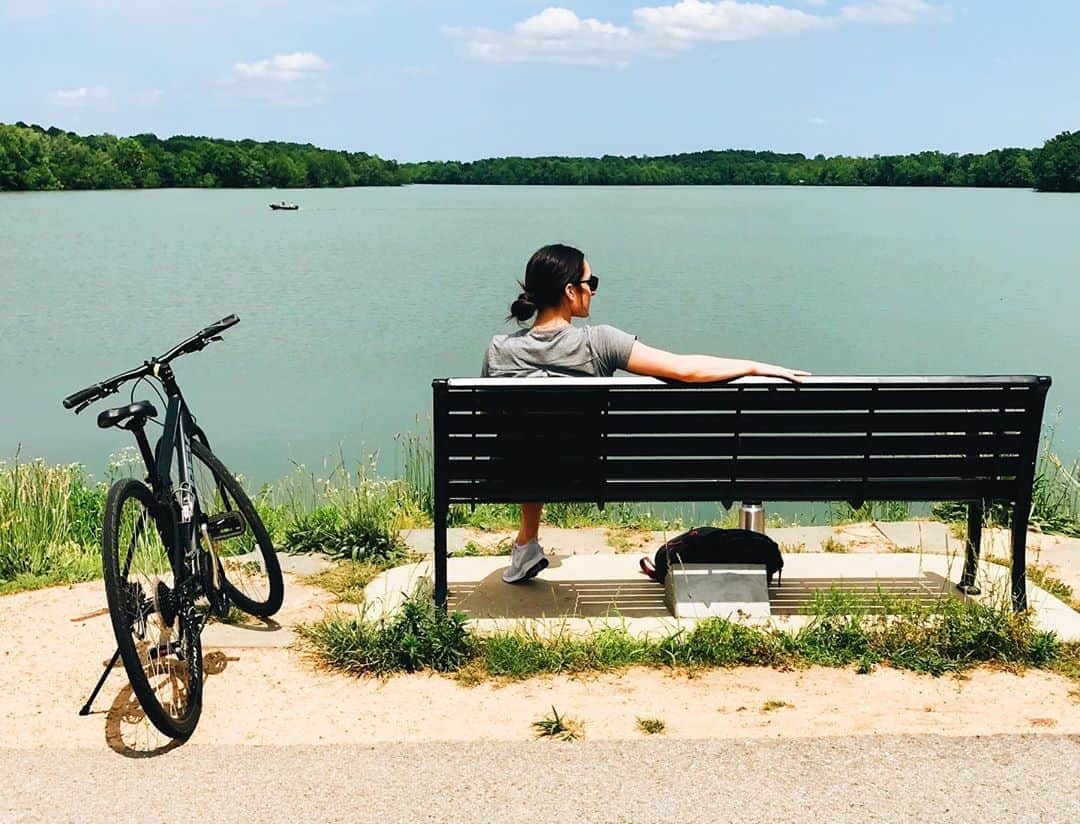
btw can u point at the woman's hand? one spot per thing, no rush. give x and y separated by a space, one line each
768 370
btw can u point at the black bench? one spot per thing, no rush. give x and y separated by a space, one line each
855 439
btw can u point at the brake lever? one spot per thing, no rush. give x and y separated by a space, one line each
115 390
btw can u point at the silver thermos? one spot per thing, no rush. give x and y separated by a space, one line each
752 516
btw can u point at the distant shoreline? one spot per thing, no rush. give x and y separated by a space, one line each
36 159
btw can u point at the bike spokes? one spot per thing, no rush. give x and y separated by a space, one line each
156 626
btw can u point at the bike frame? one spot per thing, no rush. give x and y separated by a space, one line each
179 501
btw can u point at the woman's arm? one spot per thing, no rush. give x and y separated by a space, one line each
645 360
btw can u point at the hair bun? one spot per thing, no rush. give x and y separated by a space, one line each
524 307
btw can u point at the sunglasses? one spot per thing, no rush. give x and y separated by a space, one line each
591 282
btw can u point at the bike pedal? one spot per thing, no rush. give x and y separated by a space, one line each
226 525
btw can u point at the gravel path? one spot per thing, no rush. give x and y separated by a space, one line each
869 778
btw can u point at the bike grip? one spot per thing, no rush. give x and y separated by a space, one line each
219 327
82 395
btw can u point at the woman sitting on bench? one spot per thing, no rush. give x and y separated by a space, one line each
559 285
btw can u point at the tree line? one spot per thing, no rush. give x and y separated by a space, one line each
1055 167
33 158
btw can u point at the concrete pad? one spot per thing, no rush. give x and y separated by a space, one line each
809 538
583 592
928 536
583 541
422 541
305 563
717 590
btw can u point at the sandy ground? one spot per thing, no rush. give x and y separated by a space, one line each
54 643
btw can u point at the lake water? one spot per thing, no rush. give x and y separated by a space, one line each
352 305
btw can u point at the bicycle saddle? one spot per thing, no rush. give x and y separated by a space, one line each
112 417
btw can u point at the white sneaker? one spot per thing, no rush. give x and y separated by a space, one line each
525 562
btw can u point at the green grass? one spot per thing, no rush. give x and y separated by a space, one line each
559 727
832 545
354 515
651 726
845 513
419 637
1055 502
50 516
948 636
346 579
473 549
1041 575
50 522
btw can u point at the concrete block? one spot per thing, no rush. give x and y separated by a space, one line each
706 590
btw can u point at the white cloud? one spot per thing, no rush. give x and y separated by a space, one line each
893 12
554 23
104 98
818 121
558 35
283 68
724 22
292 79
555 35
83 96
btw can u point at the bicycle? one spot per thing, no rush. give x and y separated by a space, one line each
187 532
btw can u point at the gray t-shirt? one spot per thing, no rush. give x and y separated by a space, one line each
569 352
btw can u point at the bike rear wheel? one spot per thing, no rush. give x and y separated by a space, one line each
252 573
157 629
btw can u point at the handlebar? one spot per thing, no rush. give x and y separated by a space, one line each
82 395
198 341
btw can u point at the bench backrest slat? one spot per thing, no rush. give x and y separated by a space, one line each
939 438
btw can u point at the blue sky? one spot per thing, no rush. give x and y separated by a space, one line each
420 79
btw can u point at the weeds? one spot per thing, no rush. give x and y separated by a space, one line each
651 726
418 637
1043 578
845 513
559 727
347 579
473 549
1055 499
50 525
948 636
357 516
830 544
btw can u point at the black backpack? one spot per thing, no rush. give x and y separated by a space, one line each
709 545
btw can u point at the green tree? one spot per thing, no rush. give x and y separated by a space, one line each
1057 168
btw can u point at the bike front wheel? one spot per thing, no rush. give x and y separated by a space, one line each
157 629
229 521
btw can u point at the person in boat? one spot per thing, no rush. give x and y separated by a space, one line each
559 286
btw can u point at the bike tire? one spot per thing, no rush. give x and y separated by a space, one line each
252 573
164 662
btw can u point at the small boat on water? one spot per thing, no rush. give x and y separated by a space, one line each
284 207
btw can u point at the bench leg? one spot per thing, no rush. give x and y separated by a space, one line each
971 549
440 557
1019 554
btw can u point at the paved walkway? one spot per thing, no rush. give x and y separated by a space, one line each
871 778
